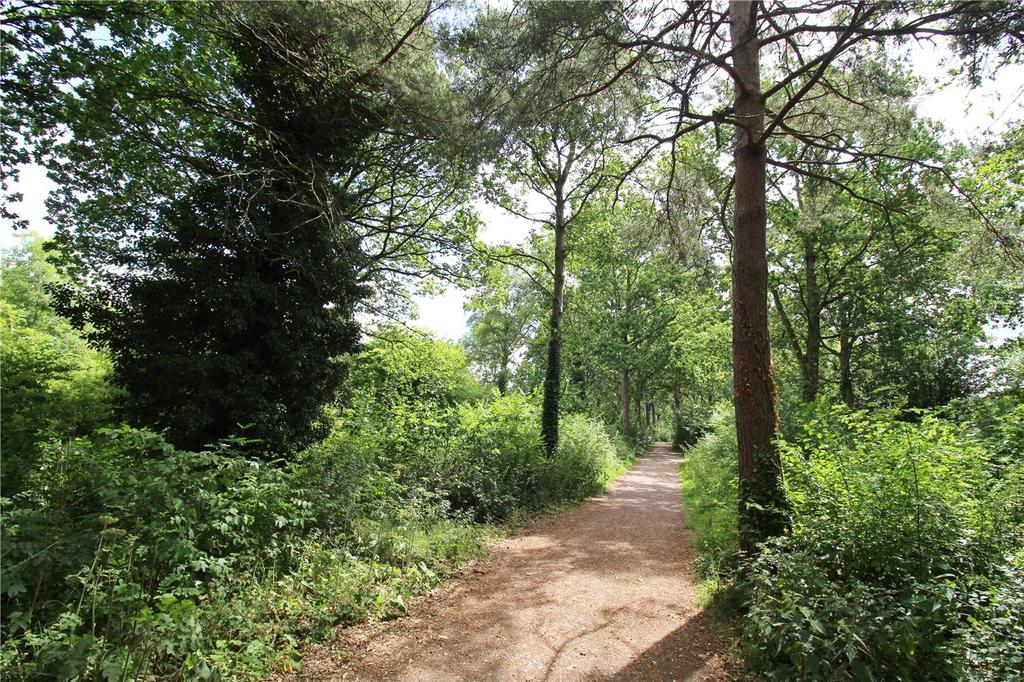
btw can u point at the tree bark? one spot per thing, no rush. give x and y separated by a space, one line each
624 399
553 376
812 357
845 371
761 496
637 395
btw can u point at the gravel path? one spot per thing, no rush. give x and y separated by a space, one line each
604 591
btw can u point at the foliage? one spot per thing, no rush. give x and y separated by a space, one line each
894 560
125 556
499 324
904 553
171 561
709 483
245 190
54 386
231 176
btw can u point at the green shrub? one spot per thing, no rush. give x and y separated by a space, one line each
495 468
586 460
120 538
890 571
55 386
991 630
996 422
709 485
402 402
124 556
501 466
805 623
130 557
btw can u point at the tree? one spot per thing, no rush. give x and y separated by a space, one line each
500 322
686 47
556 150
825 237
624 302
236 181
54 385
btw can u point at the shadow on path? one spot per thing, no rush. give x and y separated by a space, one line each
603 591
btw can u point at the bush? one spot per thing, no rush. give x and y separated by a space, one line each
803 623
890 571
586 460
495 467
54 386
133 558
502 468
127 557
709 484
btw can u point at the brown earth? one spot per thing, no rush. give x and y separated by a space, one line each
604 591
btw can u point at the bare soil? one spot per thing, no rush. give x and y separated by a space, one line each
602 592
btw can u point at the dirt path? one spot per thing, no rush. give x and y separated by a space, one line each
604 591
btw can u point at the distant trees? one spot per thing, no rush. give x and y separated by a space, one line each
501 319
774 55
623 306
854 242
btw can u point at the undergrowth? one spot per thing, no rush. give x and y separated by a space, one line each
125 557
905 557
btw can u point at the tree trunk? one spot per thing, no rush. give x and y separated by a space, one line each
624 399
812 358
845 372
637 394
761 497
553 376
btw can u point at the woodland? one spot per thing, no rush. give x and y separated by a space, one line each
224 435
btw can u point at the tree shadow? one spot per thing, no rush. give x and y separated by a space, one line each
684 654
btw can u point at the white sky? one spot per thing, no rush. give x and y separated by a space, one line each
967 115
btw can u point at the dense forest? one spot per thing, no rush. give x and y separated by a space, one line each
224 434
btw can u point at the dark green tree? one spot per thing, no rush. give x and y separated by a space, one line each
235 180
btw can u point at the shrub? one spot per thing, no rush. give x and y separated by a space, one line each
127 557
897 530
501 466
709 485
131 557
119 541
585 461
495 468
804 623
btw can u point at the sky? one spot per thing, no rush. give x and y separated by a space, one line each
968 115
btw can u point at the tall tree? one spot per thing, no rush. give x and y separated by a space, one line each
690 48
236 180
763 513
527 63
